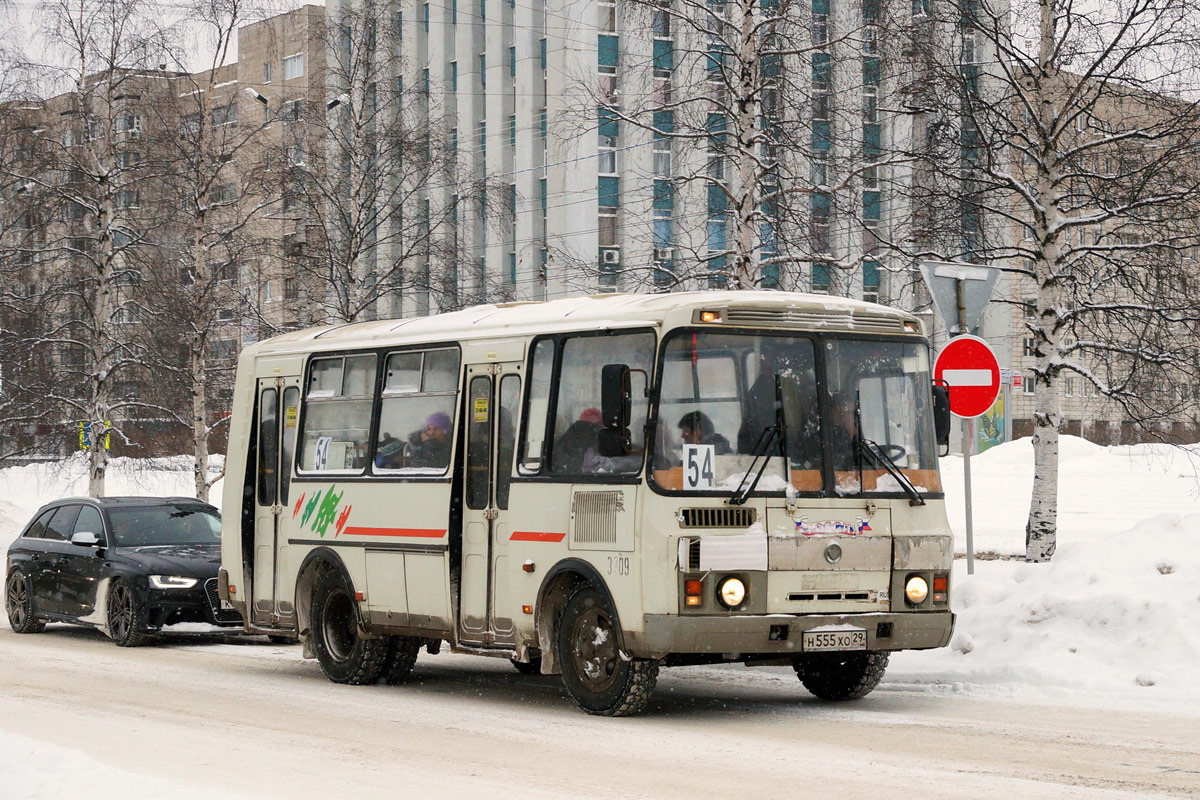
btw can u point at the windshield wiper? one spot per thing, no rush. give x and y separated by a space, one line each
761 449
865 446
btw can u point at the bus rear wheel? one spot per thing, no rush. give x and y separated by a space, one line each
345 655
600 679
841 676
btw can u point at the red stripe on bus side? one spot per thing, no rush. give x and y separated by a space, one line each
423 533
535 536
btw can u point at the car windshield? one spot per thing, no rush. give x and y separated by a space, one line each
721 394
171 523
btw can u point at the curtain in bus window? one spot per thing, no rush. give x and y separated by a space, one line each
337 416
539 406
577 419
416 415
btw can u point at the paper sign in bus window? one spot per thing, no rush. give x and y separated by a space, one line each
481 409
698 466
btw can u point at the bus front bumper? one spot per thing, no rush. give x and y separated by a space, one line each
783 633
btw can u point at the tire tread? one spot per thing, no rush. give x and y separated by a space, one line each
842 676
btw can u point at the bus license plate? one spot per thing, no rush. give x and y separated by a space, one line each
843 639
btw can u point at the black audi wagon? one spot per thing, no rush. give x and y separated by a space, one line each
130 566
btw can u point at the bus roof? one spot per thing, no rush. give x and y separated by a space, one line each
768 309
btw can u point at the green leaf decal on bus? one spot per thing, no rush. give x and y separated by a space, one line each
328 511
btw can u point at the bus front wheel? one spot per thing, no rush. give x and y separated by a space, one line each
345 655
597 675
841 676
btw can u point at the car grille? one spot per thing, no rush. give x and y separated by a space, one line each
214 600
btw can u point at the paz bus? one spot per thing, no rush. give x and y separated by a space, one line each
596 487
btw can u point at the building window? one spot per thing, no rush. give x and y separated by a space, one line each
290 289
607 141
483 70
266 73
1028 384
512 62
128 124
512 130
292 111
293 66
454 76
662 20
225 115
1031 347
606 16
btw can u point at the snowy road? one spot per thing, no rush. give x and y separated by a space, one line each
255 720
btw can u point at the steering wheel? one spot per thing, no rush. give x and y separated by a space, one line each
893 451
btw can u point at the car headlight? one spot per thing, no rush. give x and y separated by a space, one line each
916 589
171 582
732 592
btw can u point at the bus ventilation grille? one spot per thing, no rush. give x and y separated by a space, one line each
717 517
859 321
594 515
693 555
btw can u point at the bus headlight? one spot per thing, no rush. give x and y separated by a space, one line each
916 589
732 592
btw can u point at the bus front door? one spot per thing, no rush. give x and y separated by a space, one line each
278 402
493 398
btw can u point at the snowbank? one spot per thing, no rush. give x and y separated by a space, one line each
1112 622
24 489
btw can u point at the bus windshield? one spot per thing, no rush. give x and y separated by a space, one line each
719 405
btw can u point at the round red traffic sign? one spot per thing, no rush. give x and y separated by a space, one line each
969 367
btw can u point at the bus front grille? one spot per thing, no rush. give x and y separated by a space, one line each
717 517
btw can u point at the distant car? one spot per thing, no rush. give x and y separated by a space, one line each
130 566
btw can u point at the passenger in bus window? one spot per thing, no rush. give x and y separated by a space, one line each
390 454
578 443
696 428
430 446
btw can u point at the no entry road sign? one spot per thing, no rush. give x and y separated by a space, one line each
969 367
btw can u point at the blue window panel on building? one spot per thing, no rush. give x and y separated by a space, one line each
716 232
512 199
871 71
770 276
820 205
542 190
542 122
453 12
821 276
607 50
820 6
608 121
662 232
871 205
512 267
483 9
715 58
483 69
664 196
664 121
543 54
609 191
512 62
870 10
425 16
871 274
872 135
822 66
454 76
821 134
664 55
718 201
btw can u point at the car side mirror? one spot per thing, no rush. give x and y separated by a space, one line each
941 415
86 539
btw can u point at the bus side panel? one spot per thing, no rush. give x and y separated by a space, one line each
533 530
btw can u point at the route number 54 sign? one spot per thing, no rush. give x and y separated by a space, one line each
698 466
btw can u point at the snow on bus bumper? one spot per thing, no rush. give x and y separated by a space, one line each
783 633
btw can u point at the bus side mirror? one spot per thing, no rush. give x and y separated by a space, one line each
941 415
616 406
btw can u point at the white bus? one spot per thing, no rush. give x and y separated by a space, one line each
596 487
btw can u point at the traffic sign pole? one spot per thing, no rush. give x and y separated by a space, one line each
969 367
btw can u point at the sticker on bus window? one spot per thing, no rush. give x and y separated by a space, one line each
698 466
481 409
289 417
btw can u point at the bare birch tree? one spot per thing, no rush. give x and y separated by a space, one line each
80 189
1063 140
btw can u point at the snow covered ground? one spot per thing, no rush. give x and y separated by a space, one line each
1112 623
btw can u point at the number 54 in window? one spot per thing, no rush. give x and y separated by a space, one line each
698 466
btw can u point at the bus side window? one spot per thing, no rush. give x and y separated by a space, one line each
539 406
416 414
337 420
291 418
510 399
577 418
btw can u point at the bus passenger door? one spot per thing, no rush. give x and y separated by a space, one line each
276 442
493 394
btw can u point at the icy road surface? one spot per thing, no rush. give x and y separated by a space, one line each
254 720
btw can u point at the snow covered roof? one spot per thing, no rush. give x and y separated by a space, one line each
598 312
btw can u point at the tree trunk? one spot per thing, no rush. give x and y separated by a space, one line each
199 422
1041 528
